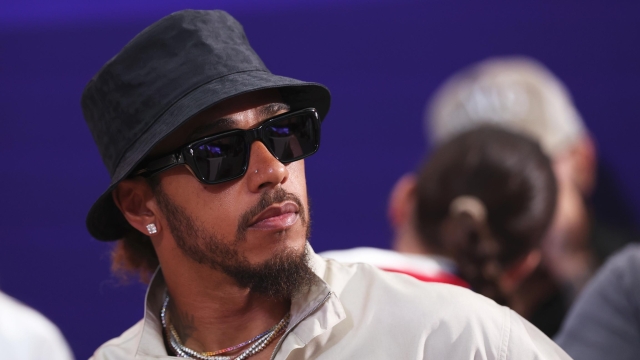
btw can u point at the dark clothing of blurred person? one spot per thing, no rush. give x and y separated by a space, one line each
25 334
208 203
474 216
613 217
604 322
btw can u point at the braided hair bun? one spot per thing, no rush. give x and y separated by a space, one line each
485 199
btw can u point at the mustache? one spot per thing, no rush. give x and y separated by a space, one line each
267 199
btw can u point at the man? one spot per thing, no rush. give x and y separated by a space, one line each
205 146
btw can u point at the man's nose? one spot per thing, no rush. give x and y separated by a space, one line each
264 171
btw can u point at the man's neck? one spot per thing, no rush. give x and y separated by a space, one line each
210 312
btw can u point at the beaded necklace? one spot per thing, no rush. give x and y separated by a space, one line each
260 342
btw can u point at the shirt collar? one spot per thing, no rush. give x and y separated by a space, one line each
312 313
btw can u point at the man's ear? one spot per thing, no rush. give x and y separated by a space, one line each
511 279
135 200
402 201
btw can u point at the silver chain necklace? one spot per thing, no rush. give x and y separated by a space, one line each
260 342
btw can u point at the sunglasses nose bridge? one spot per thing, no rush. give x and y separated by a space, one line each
253 135
250 136
257 134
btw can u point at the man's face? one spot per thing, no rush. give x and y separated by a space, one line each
249 227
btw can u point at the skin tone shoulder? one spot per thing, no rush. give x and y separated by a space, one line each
222 313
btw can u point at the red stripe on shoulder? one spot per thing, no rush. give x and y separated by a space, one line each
441 277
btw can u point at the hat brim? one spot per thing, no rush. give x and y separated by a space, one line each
105 221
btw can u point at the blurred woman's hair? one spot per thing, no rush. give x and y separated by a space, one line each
485 199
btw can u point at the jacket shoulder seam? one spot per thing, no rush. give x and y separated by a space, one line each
506 333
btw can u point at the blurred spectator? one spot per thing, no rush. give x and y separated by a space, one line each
25 334
485 199
476 214
604 323
522 95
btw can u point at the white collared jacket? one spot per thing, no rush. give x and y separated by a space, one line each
356 311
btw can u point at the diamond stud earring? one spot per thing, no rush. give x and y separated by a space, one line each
151 228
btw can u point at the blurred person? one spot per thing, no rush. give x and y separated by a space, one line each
604 322
520 94
474 216
25 334
208 202
486 199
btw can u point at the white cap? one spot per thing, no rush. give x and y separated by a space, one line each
518 93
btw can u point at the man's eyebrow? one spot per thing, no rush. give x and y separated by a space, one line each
271 110
223 124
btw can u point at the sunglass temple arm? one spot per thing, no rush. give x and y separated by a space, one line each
161 164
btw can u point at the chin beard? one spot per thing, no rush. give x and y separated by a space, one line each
282 276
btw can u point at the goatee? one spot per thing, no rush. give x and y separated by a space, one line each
282 276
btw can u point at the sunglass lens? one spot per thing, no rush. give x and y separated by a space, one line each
220 159
292 138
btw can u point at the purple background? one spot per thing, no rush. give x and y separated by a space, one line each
381 60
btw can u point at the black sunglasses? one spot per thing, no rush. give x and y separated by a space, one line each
225 156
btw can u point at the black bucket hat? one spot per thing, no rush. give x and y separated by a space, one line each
174 69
